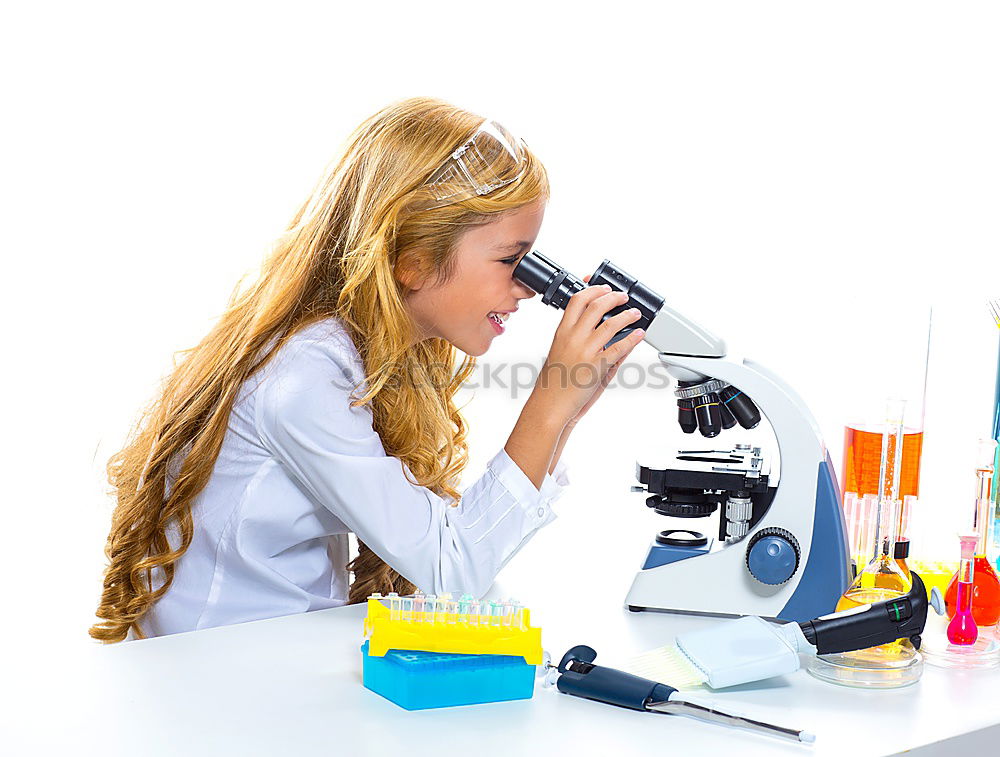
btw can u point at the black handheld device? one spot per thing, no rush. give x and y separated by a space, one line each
871 625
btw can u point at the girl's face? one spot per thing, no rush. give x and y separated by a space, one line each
465 309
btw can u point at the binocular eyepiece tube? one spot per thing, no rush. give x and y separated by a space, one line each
708 406
556 285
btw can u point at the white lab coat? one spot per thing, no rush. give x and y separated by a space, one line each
299 469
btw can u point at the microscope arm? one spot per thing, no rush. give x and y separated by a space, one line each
674 334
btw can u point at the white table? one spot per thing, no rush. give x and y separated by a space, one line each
292 685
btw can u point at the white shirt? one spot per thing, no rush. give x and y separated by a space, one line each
299 468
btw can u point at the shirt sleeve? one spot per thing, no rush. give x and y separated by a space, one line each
304 418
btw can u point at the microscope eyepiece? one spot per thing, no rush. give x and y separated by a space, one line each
557 285
552 281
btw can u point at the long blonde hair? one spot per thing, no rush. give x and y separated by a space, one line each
341 256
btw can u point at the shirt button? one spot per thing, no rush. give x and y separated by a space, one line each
541 511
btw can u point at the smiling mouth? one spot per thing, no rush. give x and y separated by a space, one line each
498 318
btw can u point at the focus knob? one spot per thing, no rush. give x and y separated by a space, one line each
773 556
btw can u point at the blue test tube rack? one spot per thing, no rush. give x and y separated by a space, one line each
417 680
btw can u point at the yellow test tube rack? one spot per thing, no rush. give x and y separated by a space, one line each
431 623
935 573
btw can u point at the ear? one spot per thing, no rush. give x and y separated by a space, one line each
409 273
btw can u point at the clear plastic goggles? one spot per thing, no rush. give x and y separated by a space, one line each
489 159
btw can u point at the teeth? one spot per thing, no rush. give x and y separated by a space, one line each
500 317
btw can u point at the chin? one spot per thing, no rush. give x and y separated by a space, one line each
472 345
472 348
474 351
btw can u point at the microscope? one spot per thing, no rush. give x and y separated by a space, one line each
781 551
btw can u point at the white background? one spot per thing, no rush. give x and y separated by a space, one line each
779 171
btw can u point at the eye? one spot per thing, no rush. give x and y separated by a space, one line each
511 261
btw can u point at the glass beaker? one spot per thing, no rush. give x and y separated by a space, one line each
896 354
881 576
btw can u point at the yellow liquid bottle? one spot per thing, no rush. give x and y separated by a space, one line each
881 579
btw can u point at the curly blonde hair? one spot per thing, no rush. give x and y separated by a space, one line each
342 255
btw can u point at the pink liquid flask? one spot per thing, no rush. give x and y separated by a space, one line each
962 630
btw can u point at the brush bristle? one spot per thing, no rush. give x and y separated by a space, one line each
667 665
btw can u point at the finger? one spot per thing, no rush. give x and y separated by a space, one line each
587 278
579 302
597 307
616 323
620 349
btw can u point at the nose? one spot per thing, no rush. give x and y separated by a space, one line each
523 292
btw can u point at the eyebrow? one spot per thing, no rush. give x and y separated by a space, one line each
512 246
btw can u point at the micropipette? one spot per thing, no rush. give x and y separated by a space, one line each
750 649
578 676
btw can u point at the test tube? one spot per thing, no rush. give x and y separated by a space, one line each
474 613
868 529
984 488
851 515
517 615
418 606
889 477
440 607
408 609
505 620
430 601
496 611
451 611
463 608
393 598
905 515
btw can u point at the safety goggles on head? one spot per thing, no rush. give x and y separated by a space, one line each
491 158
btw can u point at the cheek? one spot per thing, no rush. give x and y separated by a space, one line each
458 306
470 296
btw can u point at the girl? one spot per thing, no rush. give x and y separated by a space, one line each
322 402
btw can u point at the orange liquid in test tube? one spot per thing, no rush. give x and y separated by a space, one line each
862 458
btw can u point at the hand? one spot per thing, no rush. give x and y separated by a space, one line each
609 376
578 368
